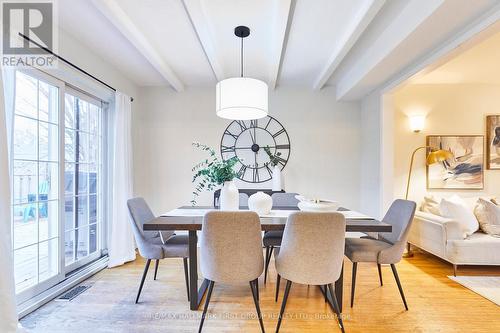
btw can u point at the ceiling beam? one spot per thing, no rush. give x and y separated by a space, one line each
283 14
358 26
196 15
115 14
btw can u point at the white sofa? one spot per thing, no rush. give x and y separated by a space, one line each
444 238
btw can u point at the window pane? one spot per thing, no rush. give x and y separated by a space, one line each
25 182
48 259
48 188
83 209
92 178
25 225
25 138
69 247
83 175
48 142
82 242
83 146
26 267
48 102
69 213
93 149
94 119
69 178
26 95
93 238
48 223
69 111
83 115
92 209
69 145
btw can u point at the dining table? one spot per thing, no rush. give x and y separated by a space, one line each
190 219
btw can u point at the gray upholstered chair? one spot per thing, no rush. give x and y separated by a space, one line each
243 199
312 253
154 245
388 248
272 239
231 252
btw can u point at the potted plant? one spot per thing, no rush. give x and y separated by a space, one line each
274 161
212 173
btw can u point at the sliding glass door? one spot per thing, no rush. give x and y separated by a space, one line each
56 181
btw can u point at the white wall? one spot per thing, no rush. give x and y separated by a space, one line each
452 109
325 140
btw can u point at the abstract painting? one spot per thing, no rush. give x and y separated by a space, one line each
465 170
493 142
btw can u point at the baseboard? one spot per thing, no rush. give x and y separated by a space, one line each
72 280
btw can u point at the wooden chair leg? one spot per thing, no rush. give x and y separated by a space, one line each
255 293
142 280
269 254
353 287
380 274
395 272
278 280
336 307
205 308
283 304
157 263
186 275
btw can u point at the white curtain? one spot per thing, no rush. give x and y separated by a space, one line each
121 245
8 313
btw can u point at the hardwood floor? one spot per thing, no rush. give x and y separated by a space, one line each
436 304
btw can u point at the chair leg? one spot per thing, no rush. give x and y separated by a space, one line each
283 304
142 280
380 274
455 267
254 286
157 263
205 308
269 254
395 272
326 293
336 307
353 287
186 275
278 280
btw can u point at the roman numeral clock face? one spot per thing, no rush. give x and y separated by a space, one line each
246 139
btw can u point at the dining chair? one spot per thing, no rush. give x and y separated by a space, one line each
388 248
311 253
154 245
231 253
272 239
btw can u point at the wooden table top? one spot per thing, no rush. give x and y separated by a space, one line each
194 223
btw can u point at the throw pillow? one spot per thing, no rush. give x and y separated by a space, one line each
430 205
494 200
488 215
455 208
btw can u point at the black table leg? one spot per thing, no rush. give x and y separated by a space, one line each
339 288
195 294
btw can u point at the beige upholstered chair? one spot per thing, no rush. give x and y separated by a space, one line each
311 252
231 252
388 248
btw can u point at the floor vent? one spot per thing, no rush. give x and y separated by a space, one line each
68 296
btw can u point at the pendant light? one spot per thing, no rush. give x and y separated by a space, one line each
241 98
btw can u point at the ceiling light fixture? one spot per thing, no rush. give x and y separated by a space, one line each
241 98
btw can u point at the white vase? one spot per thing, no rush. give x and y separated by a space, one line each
229 196
260 203
277 186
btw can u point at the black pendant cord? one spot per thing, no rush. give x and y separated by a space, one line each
241 57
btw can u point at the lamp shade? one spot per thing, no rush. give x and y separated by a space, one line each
438 156
241 98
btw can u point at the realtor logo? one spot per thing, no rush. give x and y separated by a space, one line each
35 20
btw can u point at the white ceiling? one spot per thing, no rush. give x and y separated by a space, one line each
352 44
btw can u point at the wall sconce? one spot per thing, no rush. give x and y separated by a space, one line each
417 122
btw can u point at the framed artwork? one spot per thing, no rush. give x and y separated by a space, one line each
493 142
465 171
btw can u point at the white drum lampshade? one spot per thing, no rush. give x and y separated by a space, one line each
241 98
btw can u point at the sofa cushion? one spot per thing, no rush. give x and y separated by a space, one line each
430 205
477 249
488 216
455 208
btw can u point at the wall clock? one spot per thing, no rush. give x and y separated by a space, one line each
246 140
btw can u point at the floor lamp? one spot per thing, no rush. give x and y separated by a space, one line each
435 156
